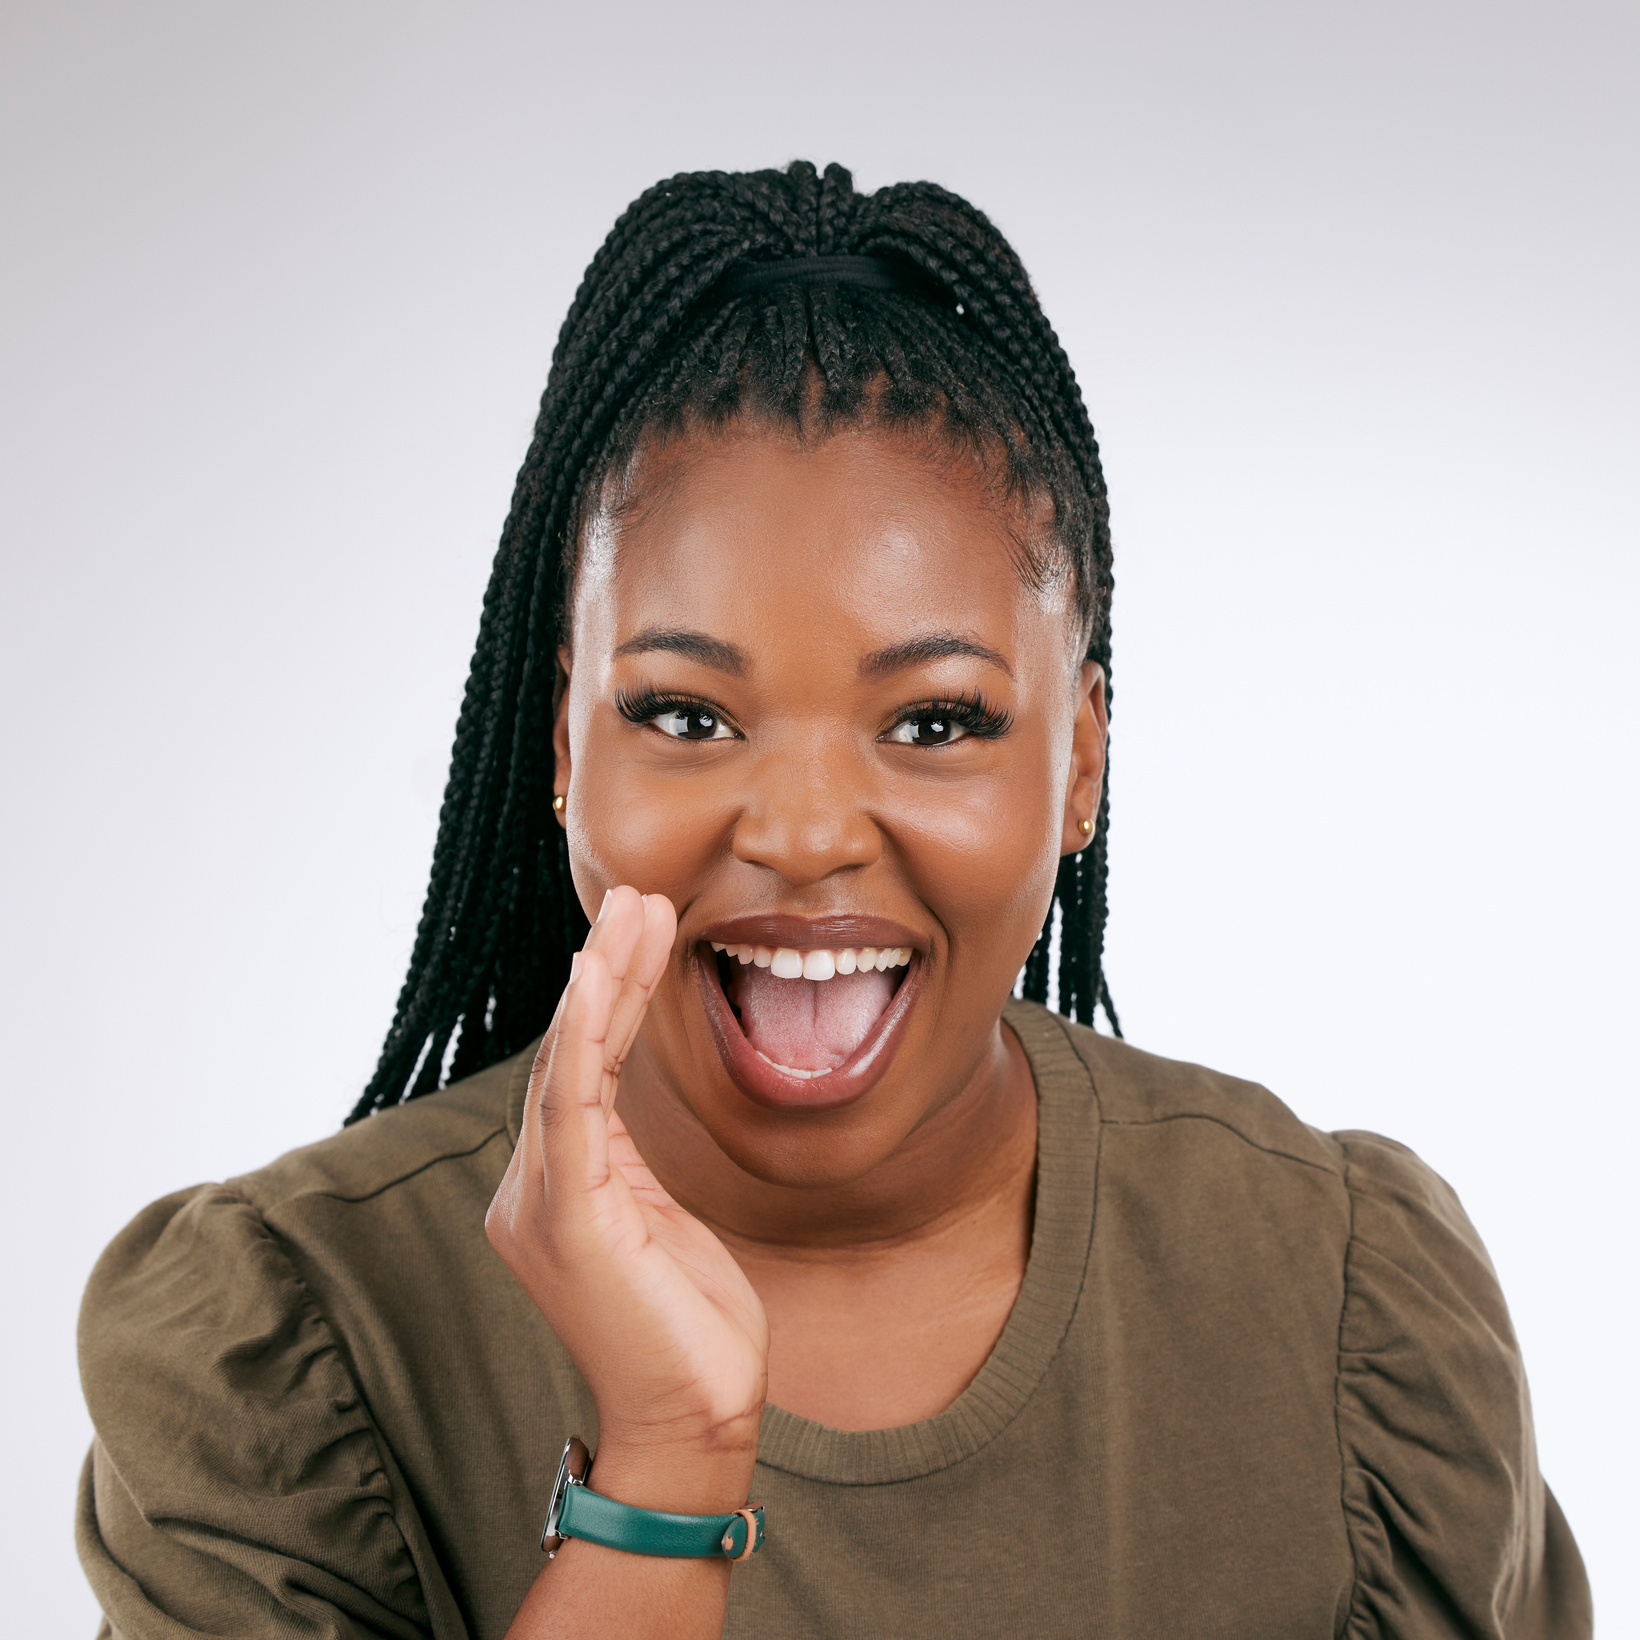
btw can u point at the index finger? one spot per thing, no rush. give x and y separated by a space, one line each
643 973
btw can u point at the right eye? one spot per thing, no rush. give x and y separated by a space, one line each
928 729
678 717
691 723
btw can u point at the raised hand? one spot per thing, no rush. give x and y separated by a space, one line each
654 1311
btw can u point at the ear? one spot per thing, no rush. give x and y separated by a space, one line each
1086 781
560 737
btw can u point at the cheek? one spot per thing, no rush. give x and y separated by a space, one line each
984 856
624 828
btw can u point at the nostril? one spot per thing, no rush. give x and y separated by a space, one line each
805 841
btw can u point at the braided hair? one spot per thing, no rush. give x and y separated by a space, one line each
667 330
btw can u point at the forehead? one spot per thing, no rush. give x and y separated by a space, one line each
858 539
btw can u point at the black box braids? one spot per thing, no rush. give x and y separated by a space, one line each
660 334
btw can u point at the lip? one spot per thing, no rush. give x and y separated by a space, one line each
833 933
765 1084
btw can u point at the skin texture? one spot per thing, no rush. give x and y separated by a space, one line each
700 1250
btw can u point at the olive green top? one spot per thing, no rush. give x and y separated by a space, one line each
1259 1381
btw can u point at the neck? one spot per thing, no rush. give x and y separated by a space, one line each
972 1154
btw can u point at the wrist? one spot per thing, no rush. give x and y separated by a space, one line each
700 1477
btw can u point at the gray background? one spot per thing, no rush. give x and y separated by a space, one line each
1351 292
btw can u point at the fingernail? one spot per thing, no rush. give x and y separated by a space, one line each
575 965
605 906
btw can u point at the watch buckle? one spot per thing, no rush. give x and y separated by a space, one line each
573 1468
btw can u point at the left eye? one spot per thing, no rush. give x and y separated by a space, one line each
691 723
930 729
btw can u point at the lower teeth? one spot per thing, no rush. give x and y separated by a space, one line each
792 1070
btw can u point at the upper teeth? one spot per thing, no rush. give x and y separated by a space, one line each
785 963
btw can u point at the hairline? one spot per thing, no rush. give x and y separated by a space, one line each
929 436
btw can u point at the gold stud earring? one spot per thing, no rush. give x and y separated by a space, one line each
1085 827
558 804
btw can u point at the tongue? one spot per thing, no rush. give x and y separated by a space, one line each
808 1024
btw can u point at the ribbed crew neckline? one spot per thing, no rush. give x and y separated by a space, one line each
1067 1147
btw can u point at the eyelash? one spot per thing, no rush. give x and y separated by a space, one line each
972 711
646 706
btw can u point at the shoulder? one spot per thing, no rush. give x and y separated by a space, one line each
1351 1252
203 1262
200 1263
1401 1229
221 1340
224 1225
395 1146
1140 1090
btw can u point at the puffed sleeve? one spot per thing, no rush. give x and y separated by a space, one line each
236 1486
1453 1530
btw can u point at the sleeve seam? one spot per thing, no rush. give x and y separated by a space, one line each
1065 1026
1229 1127
323 1193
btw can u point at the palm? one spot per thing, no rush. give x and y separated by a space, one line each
656 1313
695 1278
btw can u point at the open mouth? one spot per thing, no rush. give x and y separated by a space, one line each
806 1025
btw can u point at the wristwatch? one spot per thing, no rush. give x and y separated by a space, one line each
576 1511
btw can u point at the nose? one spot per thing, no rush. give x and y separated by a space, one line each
805 816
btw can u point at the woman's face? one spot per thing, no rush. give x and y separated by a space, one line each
814 703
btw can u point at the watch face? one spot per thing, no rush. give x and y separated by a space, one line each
572 1471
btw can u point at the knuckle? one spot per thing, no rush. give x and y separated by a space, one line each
551 1117
498 1226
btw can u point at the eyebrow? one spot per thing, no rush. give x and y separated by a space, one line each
694 646
932 646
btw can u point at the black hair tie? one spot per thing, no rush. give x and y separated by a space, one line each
885 273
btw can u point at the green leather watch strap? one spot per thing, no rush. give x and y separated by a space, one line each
596 1519
578 1512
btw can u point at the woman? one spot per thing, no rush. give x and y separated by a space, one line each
886 1302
